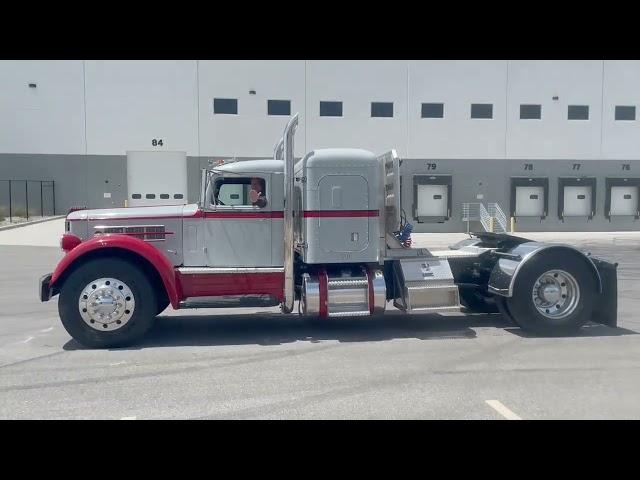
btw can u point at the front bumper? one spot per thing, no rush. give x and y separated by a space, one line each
44 288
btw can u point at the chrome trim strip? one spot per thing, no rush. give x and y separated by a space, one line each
218 270
130 226
498 291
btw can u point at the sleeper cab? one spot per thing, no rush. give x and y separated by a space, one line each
337 201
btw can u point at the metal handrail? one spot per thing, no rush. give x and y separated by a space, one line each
476 212
485 218
492 218
496 212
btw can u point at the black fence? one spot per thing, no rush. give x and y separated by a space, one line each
27 199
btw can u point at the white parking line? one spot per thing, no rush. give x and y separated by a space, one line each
128 418
502 410
46 330
117 363
28 339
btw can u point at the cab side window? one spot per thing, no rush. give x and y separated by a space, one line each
237 191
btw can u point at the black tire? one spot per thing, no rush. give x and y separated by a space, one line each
162 306
503 308
146 303
521 305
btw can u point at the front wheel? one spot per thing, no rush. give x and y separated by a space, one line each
554 295
107 303
162 305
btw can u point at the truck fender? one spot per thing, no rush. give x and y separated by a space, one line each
504 273
136 246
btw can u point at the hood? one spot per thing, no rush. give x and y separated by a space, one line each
162 211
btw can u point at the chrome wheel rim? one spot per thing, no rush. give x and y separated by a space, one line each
106 304
556 294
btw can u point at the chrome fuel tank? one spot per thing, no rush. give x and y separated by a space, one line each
343 294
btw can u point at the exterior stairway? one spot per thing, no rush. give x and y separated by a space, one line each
492 218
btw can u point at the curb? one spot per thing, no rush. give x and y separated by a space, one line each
25 224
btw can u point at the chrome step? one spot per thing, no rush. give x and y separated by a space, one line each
230 301
360 313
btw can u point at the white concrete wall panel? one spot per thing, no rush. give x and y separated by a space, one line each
250 133
621 139
132 102
45 119
574 82
127 104
356 84
457 84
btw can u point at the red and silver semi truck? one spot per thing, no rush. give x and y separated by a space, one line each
327 232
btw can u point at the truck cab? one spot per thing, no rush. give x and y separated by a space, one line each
233 231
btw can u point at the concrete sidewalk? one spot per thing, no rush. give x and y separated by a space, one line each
45 234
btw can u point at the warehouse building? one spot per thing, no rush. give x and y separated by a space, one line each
553 144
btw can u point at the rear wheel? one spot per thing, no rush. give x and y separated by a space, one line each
553 295
107 303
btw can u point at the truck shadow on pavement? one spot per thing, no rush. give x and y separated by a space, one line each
277 329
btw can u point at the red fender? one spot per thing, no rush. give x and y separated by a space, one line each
132 244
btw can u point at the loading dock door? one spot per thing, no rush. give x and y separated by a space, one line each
529 197
624 200
577 197
577 201
530 202
432 198
156 178
433 201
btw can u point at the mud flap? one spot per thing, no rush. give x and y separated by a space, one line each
606 309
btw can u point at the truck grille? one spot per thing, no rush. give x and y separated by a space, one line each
143 232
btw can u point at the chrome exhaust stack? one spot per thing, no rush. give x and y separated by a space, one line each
288 144
279 148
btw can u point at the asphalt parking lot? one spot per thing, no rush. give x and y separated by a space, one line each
236 364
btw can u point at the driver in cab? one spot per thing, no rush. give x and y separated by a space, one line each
256 194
